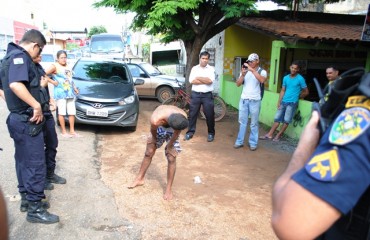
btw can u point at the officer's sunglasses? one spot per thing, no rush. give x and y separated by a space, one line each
39 47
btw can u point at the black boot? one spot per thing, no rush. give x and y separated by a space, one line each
48 185
24 203
37 214
53 178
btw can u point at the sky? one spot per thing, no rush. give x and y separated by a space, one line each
75 15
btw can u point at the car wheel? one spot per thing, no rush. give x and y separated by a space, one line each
164 93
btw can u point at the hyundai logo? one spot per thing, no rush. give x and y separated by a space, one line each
98 105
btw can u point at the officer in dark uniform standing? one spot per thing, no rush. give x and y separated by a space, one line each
50 135
327 181
21 85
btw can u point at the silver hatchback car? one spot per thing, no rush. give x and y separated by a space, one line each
156 84
107 93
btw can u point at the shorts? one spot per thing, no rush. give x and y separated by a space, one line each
66 106
285 113
164 135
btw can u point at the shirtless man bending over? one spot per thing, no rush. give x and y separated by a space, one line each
166 124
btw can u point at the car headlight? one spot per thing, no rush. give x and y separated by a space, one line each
127 100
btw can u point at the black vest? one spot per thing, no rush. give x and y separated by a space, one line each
15 104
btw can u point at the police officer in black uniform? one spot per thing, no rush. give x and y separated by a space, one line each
21 85
324 192
50 135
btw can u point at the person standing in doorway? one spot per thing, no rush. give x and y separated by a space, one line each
294 87
201 78
251 77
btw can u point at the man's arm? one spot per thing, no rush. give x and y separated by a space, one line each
304 93
297 213
202 80
174 137
21 91
281 95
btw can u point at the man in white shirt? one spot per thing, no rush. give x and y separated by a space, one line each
201 78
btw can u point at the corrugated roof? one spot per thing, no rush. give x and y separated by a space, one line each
343 29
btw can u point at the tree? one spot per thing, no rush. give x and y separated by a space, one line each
192 21
97 30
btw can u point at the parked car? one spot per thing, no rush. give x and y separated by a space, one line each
156 83
107 93
107 45
71 59
46 60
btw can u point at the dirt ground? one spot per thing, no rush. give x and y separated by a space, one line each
232 202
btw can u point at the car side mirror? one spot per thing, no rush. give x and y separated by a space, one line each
139 81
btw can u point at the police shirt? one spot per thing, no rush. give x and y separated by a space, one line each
338 172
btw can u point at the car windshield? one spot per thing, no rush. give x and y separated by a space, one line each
47 58
151 70
101 72
71 56
107 45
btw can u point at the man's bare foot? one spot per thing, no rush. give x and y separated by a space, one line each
136 183
168 195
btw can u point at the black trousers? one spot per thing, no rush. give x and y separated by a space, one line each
206 101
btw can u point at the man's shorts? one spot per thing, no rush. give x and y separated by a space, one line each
285 113
164 135
66 106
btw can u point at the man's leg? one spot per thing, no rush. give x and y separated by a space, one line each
193 113
281 132
288 117
254 109
209 112
149 153
243 122
272 130
171 170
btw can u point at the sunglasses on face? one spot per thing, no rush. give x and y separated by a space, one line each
40 48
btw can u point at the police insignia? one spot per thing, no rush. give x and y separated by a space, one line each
324 166
350 124
18 61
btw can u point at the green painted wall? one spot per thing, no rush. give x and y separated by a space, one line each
275 56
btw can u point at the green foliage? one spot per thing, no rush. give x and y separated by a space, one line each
97 30
180 19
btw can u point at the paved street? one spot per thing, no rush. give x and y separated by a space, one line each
86 207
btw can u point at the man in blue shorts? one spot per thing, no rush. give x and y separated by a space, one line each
166 124
294 87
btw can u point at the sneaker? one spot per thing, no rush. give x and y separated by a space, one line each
236 146
253 148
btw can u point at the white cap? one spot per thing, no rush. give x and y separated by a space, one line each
253 57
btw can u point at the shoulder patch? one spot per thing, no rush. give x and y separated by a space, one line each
17 61
358 101
324 166
350 124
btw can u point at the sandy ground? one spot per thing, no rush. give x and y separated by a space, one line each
232 202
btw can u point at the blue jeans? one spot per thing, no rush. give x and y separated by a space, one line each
285 113
248 108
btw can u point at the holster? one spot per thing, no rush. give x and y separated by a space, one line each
34 129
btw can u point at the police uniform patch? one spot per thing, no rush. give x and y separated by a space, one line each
324 166
350 124
17 61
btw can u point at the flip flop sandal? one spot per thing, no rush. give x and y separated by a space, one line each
265 138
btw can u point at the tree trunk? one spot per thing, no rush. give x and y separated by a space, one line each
193 49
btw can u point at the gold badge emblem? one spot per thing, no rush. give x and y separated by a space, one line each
324 166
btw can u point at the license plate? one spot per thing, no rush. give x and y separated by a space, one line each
97 112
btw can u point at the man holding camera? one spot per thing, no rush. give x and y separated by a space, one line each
251 77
